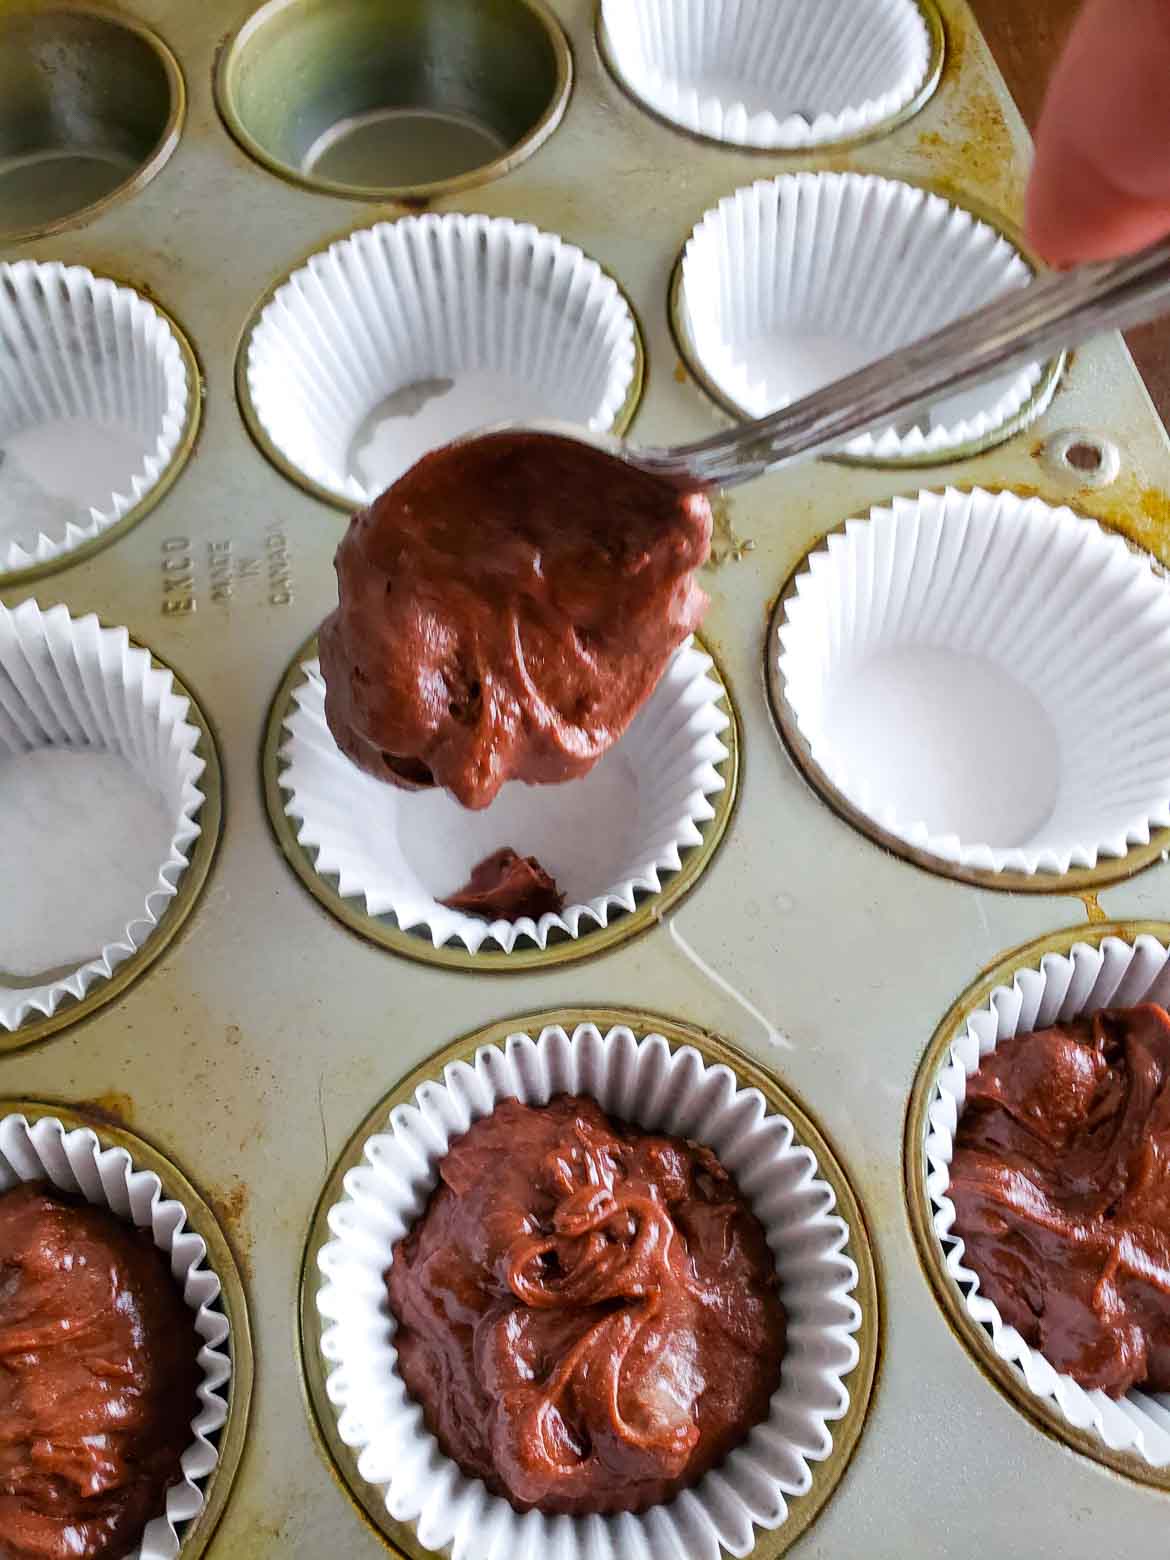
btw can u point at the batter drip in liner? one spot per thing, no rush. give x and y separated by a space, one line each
506 886
588 1313
98 1379
504 610
1061 1187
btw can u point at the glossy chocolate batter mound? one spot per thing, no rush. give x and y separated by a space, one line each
98 1378
505 886
1061 1186
587 1313
504 611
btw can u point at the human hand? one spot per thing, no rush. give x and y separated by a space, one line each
1100 186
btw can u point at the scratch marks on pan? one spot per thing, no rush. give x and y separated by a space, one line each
775 1036
321 1118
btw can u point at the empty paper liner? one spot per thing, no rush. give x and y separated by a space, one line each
793 282
982 678
774 73
98 405
1053 989
639 1080
609 839
75 1162
100 802
409 334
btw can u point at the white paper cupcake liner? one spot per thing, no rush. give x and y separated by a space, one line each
983 677
68 685
1064 987
792 282
771 73
94 402
606 838
409 334
75 1162
644 1082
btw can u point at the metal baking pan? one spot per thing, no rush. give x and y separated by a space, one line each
265 1031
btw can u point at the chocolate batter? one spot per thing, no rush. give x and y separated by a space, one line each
587 1313
1061 1186
504 611
98 1378
505 886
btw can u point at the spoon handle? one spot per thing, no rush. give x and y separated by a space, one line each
1057 311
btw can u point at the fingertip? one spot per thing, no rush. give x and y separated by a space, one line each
1101 182
1046 235
1076 213
1067 198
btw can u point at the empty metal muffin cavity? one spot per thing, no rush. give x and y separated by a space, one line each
370 98
91 105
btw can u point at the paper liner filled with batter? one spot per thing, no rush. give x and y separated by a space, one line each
1117 974
634 1079
75 1162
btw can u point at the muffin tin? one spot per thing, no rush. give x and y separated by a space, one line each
805 956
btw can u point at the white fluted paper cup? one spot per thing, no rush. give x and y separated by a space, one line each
76 1163
98 403
1063 987
792 282
608 838
99 804
781 74
409 334
645 1082
982 676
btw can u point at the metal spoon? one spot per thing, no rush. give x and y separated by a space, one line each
1057 311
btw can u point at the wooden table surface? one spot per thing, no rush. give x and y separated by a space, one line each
1026 37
